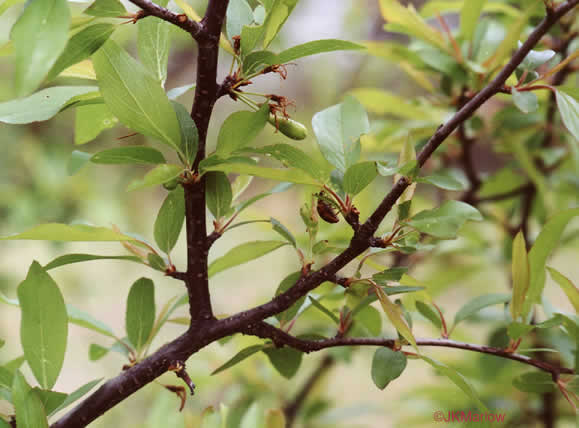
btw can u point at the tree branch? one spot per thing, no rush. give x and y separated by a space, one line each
181 21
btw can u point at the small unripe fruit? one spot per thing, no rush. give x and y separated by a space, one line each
171 185
288 127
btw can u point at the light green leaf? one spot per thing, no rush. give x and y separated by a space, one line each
283 231
442 181
286 360
316 304
170 220
153 44
520 274
275 418
134 95
569 110
387 365
78 258
458 379
39 36
159 175
90 121
538 382
338 130
478 303
85 320
239 129
219 194
239 357
358 176
77 161
277 174
43 326
535 59
545 243
276 17
77 394
189 134
106 9
445 221
140 315
175 93
64 232
388 275
567 286
469 17
394 314
41 105
290 313
239 14
50 400
81 46
242 254
27 404
315 47
129 155
7 4
526 101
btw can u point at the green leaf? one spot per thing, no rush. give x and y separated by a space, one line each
239 129
430 314
285 175
219 194
569 110
64 232
77 394
338 130
520 274
478 303
85 320
275 418
239 14
567 286
81 46
535 59
159 175
242 254
387 365
175 93
78 258
157 262
27 404
189 134
51 400
469 17
545 243
96 352
106 9
129 155
458 379
90 121
290 313
41 105
538 382
283 231
394 314
39 36
77 161
286 360
445 221
239 357
153 42
526 101
442 181
391 274
315 47
276 17
294 157
370 319
43 326
170 220
316 304
134 95
140 315
358 176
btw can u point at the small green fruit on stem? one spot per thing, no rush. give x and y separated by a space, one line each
288 127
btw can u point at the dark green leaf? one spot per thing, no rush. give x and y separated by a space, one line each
129 155
43 326
239 357
81 46
242 254
478 303
430 314
538 382
239 129
516 330
41 105
39 36
338 130
219 194
170 220
157 262
387 365
134 95
77 258
189 135
140 315
315 47
106 9
286 360
444 221
358 176
392 274
153 44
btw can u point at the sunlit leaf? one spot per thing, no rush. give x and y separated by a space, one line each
520 274
394 314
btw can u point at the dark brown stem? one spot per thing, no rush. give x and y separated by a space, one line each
181 21
292 409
